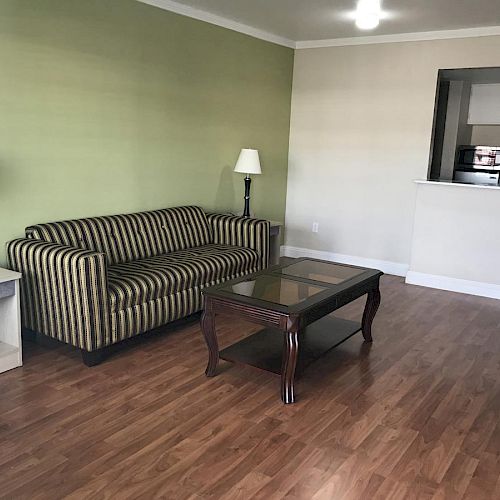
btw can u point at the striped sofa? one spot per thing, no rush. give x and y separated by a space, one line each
94 282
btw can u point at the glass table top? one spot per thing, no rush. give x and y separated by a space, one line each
276 289
321 271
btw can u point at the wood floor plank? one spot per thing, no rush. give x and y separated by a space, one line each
414 415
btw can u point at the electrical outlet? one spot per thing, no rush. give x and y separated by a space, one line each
315 228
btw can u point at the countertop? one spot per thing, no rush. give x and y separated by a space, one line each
455 184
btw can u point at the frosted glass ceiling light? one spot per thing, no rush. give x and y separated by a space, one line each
368 14
367 21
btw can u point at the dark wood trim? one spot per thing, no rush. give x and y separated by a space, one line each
289 363
371 308
263 350
359 284
255 314
208 329
291 322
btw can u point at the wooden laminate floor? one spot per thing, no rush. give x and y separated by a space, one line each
415 415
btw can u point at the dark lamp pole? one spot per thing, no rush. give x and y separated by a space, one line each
246 211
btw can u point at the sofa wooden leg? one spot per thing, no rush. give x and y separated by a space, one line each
93 358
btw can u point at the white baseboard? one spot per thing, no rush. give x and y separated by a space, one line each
412 278
386 266
454 284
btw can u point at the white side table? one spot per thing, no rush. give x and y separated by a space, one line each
11 355
275 242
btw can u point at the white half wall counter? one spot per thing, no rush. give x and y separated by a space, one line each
456 238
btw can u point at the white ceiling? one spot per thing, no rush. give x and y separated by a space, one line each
308 20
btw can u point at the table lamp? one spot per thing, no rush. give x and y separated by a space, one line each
248 163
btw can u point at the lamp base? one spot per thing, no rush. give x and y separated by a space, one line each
246 211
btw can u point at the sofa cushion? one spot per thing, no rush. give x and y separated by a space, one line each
126 238
187 227
133 283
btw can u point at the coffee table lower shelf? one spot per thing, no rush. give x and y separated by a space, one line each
264 349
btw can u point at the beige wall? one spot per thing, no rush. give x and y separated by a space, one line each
456 234
360 133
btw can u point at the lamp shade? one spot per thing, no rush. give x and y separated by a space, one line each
248 162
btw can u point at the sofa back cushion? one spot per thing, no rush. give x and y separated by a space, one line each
129 237
186 227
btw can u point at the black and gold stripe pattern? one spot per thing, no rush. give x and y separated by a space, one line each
242 232
93 282
63 292
124 238
144 280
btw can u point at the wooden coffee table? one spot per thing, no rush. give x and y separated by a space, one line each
293 301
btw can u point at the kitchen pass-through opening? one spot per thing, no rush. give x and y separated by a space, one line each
465 145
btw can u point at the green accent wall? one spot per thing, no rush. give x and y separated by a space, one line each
114 106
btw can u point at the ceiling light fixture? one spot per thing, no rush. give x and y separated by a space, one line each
368 14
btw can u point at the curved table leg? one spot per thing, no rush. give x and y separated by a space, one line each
289 363
208 329
371 307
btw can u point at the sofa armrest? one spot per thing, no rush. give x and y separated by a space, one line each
242 232
63 292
